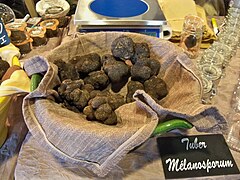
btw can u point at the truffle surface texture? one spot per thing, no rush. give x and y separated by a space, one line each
87 63
132 86
116 70
98 79
141 51
156 88
66 70
123 47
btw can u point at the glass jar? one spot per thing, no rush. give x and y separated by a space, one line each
211 57
233 138
191 35
224 50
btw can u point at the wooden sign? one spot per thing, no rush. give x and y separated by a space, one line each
196 156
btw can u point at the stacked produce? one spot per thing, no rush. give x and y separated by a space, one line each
91 83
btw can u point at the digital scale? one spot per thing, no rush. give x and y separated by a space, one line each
141 16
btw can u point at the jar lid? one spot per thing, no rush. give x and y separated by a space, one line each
50 24
38 31
16 26
54 10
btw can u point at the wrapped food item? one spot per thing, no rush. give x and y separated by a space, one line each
25 46
51 26
54 9
18 31
38 34
56 13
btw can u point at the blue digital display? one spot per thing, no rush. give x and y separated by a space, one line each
150 32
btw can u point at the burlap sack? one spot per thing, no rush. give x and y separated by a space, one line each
99 147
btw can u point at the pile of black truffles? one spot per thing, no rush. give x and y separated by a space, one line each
91 83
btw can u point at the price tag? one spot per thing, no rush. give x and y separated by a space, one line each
4 39
196 156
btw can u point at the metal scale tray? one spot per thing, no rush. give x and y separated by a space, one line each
126 15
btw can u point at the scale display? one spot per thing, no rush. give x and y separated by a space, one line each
142 16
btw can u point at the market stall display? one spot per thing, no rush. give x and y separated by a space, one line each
69 120
20 37
38 34
129 119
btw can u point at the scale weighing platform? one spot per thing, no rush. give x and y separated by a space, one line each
141 16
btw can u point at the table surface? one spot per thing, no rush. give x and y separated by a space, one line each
148 165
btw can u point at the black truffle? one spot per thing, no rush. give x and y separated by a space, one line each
153 64
115 101
66 70
73 95
98 101
89 112
116 70
132 86
123 47
140 73
103 112
190 41
144 68
87 63
112 119
141 51
98 79
156 88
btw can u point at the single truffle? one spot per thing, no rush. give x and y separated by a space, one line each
112 119
153 64
97 101
73 95
88 87
103 112
68 86
95 93
66 70
88 63
3 67
132 86
156 88
101 107
190 41
140 73
141 51
115 101
89 112
79 98
98 79
116 70
145 68
123 47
